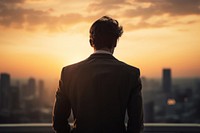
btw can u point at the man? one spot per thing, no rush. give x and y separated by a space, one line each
100 89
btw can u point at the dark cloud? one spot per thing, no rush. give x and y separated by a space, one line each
12 15
160 7
12 1
171 8
157 7
136 8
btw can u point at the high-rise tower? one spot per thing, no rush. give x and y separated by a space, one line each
4 90
31 87
167 80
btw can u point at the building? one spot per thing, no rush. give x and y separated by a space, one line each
166 80
4 91
15 98
31 88
41 91
149 112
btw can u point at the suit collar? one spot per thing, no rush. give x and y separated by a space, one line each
102 52
101 55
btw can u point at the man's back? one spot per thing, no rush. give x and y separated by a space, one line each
99 90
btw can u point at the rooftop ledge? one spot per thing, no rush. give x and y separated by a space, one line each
149 128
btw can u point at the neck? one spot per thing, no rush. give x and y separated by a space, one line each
105 49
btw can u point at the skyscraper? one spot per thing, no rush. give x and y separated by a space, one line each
166 80
31 87
4 90
15 98
30 100
42 94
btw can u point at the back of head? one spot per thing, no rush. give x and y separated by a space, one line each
105 32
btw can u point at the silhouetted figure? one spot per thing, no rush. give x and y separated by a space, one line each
100 89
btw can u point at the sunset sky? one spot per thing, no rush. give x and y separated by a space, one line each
39 37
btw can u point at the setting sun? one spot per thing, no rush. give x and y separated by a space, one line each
39 38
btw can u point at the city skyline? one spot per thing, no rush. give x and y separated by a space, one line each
52 84
165 100
38 38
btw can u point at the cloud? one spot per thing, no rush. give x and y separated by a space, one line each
14 13
160 7
148 9
12 1
15 16
105 5
156 7
144 25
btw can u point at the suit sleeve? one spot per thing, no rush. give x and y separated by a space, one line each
62 108
135 106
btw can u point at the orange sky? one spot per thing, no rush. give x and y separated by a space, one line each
39 37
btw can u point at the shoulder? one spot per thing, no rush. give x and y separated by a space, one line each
73 67
132 69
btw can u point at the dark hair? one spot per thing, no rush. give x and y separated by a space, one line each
104 32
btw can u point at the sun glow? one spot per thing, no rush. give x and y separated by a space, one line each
44 36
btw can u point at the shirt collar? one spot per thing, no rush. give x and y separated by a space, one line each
102 52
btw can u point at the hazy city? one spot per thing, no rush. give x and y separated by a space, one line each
39 37
166 100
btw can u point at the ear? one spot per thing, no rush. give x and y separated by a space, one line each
91 43
115 44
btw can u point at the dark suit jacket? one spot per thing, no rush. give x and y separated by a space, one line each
99 90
